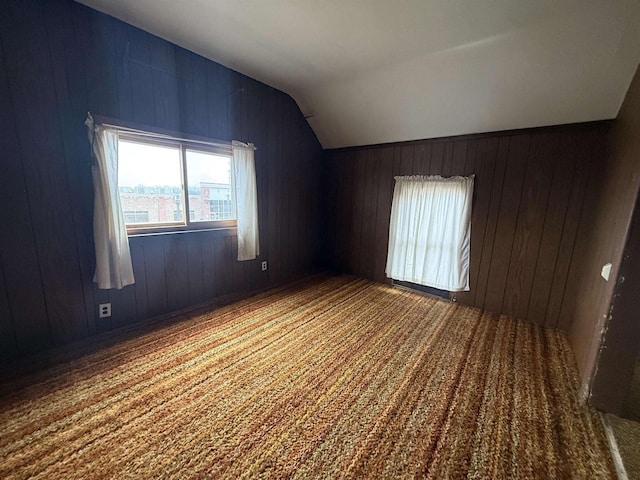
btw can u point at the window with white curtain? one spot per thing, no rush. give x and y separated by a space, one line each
430 231
145 181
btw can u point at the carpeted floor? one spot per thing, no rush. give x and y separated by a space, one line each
627 435
335 378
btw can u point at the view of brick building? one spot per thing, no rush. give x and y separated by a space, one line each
160 204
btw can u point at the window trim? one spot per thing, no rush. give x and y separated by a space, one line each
183 142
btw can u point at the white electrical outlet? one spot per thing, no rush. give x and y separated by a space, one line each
104 310
264 265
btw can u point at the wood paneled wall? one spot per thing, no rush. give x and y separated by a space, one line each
529 199
606 330
59 59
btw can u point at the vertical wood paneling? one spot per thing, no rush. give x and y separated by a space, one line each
156 281
90 77
8 347
447 159
613 383
486 151
350 213
281 260
196 89
185 96
604 332
230 282
470 157
209 280
257 96
406 160
140 274
122 69
162 56
528 198
531 216
355 247
238 268
331 178
195 264
290 226
165 101
344 216
29 67
277 252
383 212
569 231
422 160
589 153
493 211
369 210
222 266
123 306
72 101
141 77
554 225
459 157
236 100
165 84
217 101
508 216
437 159
60 59
22 278
176 273
294 223
99 56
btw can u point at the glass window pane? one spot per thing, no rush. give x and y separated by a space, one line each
210 194
150 183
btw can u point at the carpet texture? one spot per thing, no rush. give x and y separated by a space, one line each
627 435
336 377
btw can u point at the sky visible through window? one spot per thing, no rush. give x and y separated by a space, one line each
157 165
206 167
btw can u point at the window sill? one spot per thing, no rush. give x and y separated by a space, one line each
220 231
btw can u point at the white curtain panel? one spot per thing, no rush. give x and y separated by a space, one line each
430 231
113 258
244 171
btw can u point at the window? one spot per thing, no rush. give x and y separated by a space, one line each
160 178
429 231
220 209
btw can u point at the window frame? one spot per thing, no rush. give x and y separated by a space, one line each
147 137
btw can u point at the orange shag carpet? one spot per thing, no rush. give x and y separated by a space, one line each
334 377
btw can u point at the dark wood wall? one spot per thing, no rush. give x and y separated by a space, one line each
59 59
605 335
529 200
620 346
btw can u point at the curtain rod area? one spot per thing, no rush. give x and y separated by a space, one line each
164 136
149 131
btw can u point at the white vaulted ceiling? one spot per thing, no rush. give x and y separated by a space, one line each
376 71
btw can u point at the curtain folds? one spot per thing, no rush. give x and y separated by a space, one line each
430 231
113 258
244 171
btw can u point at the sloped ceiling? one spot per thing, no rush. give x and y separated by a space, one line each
377 71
